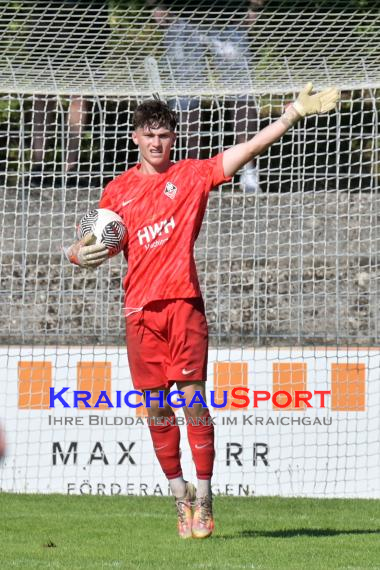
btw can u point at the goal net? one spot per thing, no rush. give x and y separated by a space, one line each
288 262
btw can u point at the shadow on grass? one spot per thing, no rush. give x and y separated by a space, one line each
296 532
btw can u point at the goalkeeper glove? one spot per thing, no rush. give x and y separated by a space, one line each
86 253
307 104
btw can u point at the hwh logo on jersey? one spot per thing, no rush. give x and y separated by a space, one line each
170 190
149 233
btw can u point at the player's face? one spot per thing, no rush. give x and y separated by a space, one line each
155 146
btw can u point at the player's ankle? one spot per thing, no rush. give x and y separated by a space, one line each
178 487
204 488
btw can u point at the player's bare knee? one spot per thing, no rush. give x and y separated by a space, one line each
196 411
156 403
195 398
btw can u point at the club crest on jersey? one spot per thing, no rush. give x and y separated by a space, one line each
170 190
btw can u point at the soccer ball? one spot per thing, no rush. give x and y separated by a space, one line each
107 227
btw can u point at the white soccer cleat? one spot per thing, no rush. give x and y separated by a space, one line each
249 180
203 519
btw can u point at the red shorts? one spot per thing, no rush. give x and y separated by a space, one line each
167 342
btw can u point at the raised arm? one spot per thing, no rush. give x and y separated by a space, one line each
306 104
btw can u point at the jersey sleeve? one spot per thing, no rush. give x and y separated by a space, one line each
212 170
106 200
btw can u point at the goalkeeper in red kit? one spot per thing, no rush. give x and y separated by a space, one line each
162 204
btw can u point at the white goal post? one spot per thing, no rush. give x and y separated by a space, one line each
289 272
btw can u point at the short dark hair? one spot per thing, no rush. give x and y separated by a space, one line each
154 113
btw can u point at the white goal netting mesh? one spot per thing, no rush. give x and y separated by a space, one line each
289 269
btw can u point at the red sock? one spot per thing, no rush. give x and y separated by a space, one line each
201 440
166 446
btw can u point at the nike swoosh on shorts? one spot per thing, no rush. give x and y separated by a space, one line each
186 372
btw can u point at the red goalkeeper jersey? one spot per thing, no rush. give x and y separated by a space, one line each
163 214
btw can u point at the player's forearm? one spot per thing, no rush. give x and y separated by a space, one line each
235 157
305 104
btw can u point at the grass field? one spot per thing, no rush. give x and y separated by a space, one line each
53 531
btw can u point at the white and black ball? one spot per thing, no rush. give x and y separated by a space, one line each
107 227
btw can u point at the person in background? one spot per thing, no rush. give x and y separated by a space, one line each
229 44
184 61
63 35
188 44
